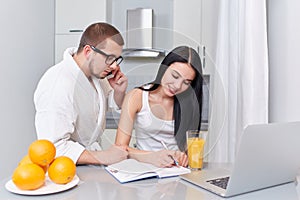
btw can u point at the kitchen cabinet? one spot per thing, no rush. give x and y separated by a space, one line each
73 15
187 23
71 18
63 41
195 24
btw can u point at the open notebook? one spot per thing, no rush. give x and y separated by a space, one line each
131 170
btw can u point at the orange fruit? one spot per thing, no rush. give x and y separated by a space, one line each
28 176
26 160
42 152
62 170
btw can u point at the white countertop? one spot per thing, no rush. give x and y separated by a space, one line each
96 183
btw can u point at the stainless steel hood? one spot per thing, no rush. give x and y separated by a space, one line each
139 34
143 52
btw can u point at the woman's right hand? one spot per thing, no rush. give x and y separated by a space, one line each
165 158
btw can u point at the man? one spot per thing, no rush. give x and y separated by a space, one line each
72 97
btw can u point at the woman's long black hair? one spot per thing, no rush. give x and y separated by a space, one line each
188 104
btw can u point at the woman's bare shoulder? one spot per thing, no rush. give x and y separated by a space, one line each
134 98
135 93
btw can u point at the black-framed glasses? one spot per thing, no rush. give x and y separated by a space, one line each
110 59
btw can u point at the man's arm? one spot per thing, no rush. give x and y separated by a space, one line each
87 158
106 157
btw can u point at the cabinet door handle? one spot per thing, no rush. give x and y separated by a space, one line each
75 31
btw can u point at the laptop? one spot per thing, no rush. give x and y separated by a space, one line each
268 155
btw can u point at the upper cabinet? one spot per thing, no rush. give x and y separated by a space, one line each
188 26
73 16
196 24
187 23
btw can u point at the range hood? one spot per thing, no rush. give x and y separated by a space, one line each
139 34
142 52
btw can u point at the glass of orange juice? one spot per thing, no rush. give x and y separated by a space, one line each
195 149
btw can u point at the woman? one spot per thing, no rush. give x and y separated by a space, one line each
162 111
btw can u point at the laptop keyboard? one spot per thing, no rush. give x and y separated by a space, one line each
220 182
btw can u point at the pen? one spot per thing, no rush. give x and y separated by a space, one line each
164 145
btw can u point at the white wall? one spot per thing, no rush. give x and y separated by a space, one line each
27 49
284 57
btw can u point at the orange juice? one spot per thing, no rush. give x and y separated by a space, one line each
195 152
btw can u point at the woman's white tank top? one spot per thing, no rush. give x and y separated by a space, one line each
150 130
